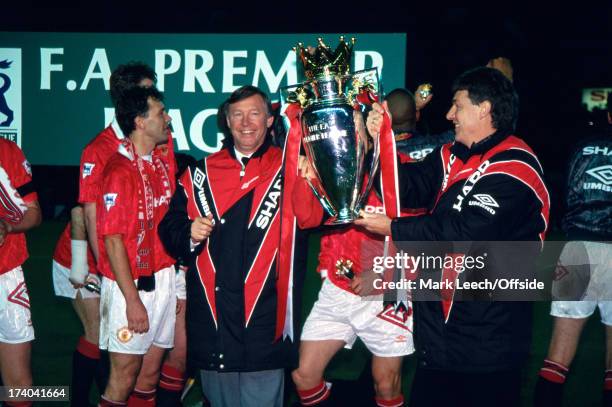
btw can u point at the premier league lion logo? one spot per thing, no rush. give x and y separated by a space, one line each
6 84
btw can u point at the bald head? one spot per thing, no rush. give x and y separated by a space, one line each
402 108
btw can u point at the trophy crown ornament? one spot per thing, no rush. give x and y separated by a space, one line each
322 62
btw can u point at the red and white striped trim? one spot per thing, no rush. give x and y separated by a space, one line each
315 395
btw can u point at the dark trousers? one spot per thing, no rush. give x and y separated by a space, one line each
244 389
432 388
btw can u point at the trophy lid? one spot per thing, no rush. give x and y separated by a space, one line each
322 62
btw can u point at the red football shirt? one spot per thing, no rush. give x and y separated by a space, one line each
351 243
15 175
63 251
93 160
97 153
120 211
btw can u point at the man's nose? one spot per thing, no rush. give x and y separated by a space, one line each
450 115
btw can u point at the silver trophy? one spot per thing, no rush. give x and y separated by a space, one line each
333 127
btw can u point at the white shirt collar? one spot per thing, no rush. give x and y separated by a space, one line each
125 152
117 129
239 155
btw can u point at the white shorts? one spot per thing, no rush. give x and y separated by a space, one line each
63 287
161 310
344 316
181 287
582 309
584 275
15 317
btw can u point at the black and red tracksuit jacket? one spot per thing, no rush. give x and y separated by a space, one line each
493 191
231 280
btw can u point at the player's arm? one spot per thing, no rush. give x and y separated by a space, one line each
78 230
136 313
89 211
31 218
574 193
21 176
79 268
90 184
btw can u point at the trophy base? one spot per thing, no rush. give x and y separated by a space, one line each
337 221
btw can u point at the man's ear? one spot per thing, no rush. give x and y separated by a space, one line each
139 122
269 121
484 109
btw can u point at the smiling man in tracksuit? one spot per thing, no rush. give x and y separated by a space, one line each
225 221
486 186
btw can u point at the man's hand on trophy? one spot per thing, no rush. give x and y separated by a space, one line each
306 170
201 228
423 96
374 223
375 118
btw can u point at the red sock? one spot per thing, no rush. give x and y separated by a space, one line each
317 394
104 402
608 381
142 398
171 379
553 371
396 402
91 350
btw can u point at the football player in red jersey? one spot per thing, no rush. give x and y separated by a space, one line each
19 212
460 342
74 244
138 300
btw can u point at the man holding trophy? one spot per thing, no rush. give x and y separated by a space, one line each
240 320
326 113
486 186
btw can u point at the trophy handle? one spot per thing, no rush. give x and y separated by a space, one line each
373 168
323 199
